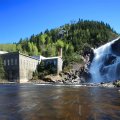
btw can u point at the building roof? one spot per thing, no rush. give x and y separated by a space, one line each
3 52
28 56
48 58
40 57
45 58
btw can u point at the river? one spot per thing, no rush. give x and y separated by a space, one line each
48 102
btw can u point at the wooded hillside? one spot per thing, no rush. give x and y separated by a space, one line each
73 38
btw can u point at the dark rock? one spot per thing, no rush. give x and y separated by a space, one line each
110 84
102 83
88 54
48 80
109 59
61 74
71 77
66 73
118 71
116 47
117 83
103 70
84 74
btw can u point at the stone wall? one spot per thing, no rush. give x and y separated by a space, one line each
27 66
19 67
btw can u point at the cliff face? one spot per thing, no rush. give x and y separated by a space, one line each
116 47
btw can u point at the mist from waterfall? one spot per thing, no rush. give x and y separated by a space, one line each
104 66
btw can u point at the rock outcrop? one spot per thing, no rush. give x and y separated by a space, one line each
71 77
117 83
116 47
84 73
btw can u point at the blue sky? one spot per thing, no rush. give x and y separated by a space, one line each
22 18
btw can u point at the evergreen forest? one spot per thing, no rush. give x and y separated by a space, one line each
73 38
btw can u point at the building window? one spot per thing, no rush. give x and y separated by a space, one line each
8 62
4 62
11 61
55 62
15 61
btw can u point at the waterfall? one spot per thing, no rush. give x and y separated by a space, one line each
106 62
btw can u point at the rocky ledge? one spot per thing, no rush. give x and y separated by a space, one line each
110 84
71 79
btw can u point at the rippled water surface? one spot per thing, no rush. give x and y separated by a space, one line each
43 102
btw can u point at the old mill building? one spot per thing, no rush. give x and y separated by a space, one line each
20 67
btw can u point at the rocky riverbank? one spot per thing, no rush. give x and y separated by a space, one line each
72 79
64 80
78 75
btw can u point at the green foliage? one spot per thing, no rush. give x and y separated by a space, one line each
75 57
41 70
50 50
59 43
35 75
8 47
77 38
42 38
77 34
19 47
44 69
117 83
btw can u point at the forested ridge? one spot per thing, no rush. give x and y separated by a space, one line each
73 38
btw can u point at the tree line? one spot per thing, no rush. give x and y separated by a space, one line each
73 38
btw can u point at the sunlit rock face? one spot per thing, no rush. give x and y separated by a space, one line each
105 65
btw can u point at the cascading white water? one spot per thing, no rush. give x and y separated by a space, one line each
106 64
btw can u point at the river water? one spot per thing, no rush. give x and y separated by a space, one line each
48 102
